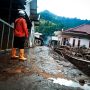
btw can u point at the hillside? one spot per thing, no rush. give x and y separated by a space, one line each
50 23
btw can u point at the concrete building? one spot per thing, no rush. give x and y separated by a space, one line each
77 37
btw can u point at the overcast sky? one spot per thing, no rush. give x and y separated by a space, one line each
67 8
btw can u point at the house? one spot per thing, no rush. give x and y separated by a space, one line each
54 41
77 37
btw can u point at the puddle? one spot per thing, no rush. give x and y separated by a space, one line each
69 83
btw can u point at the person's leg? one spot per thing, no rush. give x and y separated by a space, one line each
22 55
21 49
13 53
15 45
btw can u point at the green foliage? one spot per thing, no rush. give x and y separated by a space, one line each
50 23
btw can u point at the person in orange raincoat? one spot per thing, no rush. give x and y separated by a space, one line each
20 34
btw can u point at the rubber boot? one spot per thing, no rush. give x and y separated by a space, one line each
21 55
13 54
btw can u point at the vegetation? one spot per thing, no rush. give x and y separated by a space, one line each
50 23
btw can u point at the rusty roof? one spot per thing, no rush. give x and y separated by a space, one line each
85 28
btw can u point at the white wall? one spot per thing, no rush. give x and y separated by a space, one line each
82 42
71 41
32 37
85 42
55 38
27 9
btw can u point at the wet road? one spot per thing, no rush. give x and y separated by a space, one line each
43 70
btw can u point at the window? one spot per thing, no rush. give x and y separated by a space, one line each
89 44
73 43
78 43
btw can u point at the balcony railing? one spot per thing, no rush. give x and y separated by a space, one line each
6 35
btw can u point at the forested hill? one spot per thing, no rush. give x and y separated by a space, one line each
50 22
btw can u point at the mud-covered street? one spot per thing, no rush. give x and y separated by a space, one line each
43 70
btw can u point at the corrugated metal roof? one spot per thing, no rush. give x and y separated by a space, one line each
85 28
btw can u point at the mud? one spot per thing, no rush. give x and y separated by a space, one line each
43 70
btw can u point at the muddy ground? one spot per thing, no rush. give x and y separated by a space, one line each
43 70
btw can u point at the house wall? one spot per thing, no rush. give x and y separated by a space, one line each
31 8
27 9
82 42
55 38
32 37
85 42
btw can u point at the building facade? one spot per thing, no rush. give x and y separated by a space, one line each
77 37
